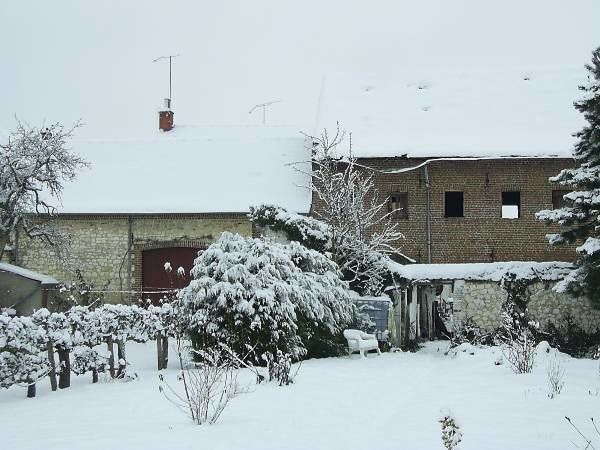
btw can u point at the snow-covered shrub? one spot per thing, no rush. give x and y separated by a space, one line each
555 374
120 323
22 352
209 384
86 336
58 336
362 264
451 433
570 338
279 367
518 335
250 292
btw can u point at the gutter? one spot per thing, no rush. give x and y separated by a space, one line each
428 213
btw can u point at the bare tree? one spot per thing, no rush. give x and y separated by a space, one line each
34 164
361 226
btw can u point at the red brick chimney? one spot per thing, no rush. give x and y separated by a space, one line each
165 116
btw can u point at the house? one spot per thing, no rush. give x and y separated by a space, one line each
463 159
24 290
163 197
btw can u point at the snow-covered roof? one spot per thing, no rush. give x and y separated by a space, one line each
70 59
36 276
190 170
470 113
547 271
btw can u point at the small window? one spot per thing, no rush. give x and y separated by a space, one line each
557 198
398 205
511 205
454 204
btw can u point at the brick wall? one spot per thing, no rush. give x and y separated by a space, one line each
481 235
100 245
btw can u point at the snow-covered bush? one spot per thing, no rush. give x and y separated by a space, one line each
209 384
250 292
22 352
555 374
279 366
58 336
86 336
518 334
451 433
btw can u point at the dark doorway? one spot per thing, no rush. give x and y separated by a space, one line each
157 282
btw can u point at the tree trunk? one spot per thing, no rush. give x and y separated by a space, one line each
94 376
165 352
159 351
52 361
64 376
31 391
111 358
122 358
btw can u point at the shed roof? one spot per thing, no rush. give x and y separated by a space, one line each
547 271
26 273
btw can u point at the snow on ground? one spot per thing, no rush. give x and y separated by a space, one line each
387 402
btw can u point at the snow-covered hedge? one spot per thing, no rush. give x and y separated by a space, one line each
253 293
27 344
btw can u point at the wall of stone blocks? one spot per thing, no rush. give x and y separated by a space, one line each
104 247
482 301
481 235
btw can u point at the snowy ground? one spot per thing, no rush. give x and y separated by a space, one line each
387 402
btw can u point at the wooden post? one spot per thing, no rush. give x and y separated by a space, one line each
405 316
51 360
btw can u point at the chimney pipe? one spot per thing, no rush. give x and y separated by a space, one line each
165 116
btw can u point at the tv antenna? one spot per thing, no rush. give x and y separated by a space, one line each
170 58
264 109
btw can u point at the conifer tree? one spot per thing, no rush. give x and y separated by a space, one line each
579 219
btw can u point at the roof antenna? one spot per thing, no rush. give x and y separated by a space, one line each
264 109
170 57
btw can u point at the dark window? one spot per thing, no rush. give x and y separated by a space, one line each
557 198
398 205
511 205
454 204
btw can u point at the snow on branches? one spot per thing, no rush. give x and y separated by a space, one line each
34 165
579 220
250 292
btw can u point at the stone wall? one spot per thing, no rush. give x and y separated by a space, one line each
482 301
107 248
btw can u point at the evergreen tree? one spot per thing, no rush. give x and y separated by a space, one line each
579 220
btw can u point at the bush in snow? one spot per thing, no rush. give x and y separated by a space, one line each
249 292
23 359
209 384
86 336
518 334
579 219
58 336
279 367
451 433
555 374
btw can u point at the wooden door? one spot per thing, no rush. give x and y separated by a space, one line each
157 282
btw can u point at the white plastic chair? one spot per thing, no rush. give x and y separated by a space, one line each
361 342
